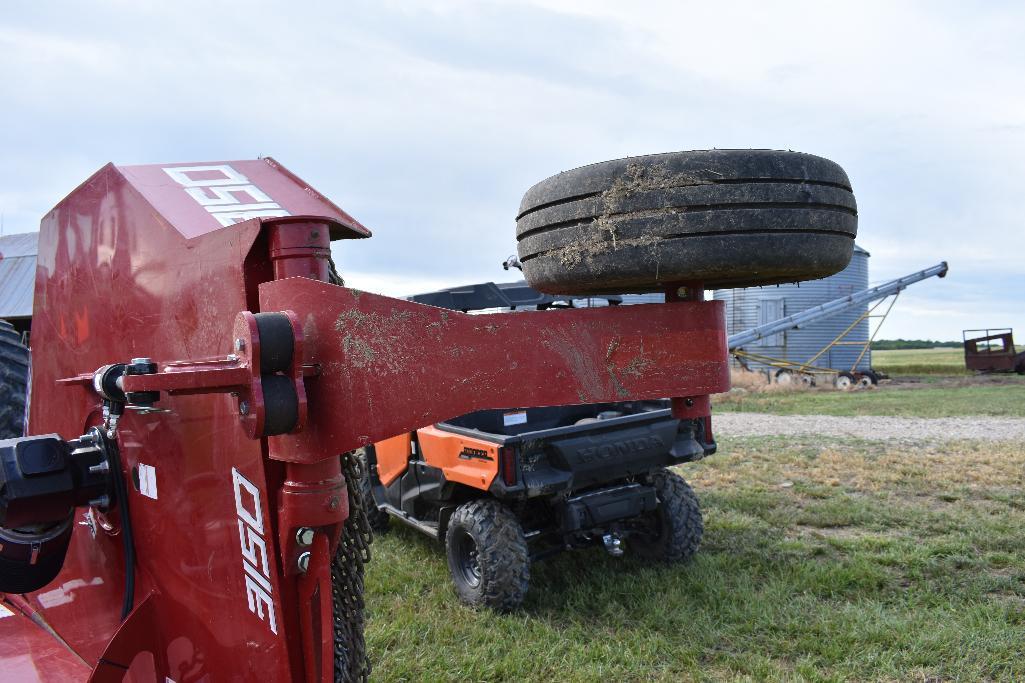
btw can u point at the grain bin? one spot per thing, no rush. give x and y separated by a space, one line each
753 306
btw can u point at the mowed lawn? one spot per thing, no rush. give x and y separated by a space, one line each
858 562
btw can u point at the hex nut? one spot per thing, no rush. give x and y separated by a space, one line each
304 536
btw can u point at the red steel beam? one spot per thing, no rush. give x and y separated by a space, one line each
389 366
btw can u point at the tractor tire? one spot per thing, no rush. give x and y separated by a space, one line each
722 218
678 526
376 517
14 370
487 555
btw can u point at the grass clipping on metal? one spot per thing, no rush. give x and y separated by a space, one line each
838 561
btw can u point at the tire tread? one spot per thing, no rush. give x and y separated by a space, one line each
502 549
680 506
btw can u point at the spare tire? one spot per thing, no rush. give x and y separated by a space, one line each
14 362
722 218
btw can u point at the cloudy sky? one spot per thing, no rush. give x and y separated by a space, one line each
427 121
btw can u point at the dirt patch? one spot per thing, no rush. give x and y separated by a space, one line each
840 533
372 339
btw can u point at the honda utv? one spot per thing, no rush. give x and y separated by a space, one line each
504 488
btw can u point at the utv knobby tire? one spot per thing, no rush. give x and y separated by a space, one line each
14 364
501 550
723 218
678 523
376 517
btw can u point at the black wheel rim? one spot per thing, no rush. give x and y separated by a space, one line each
467 559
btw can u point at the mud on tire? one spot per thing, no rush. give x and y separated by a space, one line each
678 525
487 555
14 364
725 218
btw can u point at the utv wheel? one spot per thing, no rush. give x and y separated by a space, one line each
677 526
487 555
14 363
376 517
724 218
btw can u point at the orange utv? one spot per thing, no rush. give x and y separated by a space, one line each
502 489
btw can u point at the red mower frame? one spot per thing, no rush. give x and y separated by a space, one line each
176 264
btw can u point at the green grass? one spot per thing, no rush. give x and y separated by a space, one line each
920 361
1004 400
818 564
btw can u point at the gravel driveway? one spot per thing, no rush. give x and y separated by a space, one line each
871 427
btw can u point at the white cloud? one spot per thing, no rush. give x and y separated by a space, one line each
428 120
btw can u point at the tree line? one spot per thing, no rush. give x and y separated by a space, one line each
895 344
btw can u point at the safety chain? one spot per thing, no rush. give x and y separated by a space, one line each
347 569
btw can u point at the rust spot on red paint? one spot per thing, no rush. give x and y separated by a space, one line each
81 326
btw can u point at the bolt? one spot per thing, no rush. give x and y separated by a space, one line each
333 503
689 402
304 536
101 467
103 502
243 407
240 345
304 561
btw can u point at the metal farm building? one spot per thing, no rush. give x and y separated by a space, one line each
747 308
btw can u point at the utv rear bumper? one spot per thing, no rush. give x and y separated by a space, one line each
599 508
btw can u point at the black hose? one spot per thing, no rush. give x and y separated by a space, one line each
127 537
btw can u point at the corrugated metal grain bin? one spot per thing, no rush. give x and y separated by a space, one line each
18 278
747 308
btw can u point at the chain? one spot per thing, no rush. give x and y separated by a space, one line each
348 566
347 569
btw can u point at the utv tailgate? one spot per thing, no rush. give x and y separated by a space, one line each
577 456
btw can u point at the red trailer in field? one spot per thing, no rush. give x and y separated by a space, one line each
992 351
180 508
